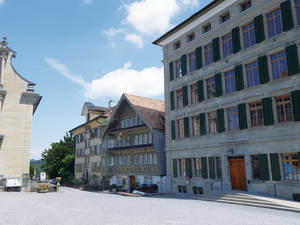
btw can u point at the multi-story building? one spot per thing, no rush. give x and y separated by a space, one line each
134 143
18 102
232 94
88 142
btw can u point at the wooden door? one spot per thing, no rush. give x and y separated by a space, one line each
238 174
132 181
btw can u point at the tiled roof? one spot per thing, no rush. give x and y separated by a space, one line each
92 107
152 110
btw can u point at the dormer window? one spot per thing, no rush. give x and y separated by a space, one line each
225 17
206 28
191 37
246 5
177 44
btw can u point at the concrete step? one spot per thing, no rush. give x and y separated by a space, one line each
251 200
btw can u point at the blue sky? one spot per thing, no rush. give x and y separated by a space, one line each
87 50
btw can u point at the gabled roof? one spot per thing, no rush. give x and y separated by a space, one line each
91 107
151 111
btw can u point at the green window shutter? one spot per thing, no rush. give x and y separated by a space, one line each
236 42
173 130
263 166
171 70
200 86
292 59
220 121
267 111
216 49
259 29
175 174
183 65
204 167
263 69
286 15
239 80
242 114
202 124
199 58
188 167
185 96
172 100
296 104
212 173
186 127
274 158
218 81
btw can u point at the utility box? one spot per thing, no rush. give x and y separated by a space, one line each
13 183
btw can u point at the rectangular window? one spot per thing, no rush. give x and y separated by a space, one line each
212 122
178 68
179 98
182 172
227 45
180 128
154 158
191 37
197 167
136 159
192 61
208 52
291 167
230 81
297 5
233 119
140 139
136 140
145 159
279 65
195 125
252 74
255 167
219 167
149 138
284 108
131 122
149 159
211 87
140 159
225 17
246 5
194 93
177 45
249 35
256 115
274 23
206 28
148 180
145 136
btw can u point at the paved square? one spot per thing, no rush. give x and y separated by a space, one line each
72 207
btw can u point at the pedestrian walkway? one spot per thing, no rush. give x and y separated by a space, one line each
243 198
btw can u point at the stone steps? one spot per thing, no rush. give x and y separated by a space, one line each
251 200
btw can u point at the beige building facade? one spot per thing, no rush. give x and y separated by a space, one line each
18 102
232 94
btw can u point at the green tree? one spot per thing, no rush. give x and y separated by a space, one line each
31 170
59 159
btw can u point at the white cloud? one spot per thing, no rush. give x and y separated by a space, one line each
150 17
87 1
113 31
1 2
135 39
146 82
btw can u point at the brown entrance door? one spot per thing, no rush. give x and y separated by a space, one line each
132 181
238 174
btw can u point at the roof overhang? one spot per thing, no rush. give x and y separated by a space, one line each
193 21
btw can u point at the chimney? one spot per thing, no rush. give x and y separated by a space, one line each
111 104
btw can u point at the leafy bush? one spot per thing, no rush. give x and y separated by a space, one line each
42 187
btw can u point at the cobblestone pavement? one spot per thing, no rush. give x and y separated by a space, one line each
72 207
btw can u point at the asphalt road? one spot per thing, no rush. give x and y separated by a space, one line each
75 207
